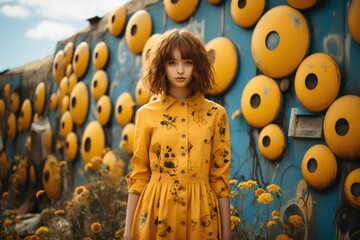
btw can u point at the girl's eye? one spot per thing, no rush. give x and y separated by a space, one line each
171 62
189 62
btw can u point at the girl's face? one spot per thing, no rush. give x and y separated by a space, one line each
179 72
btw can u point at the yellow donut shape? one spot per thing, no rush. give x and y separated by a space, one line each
103 110
26 114
63 89
51 178
2 108
66 124
68 53
69 70
319 167
71 146
124 109
138 31
14 101
317 82
150 43
261 101
79 103
93 141
353 20
81 59
142 94
64 104
99 84
246 13
40 96
72 81
280 41
302 4
127 138
351 188
224 59
180 10
100 55
6 91
11 126
53 101
58 67
342 127
271 142
4 165
114 164
117 20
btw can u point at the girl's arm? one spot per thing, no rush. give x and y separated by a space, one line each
224 204
133 200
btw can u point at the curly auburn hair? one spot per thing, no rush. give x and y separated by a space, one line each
190 47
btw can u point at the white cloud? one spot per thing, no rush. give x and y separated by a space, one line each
50 30
15 11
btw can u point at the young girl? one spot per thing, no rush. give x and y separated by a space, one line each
179 184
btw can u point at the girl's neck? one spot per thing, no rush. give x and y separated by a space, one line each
179 93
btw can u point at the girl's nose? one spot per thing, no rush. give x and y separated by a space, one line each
180 68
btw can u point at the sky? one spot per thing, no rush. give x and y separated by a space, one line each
30 29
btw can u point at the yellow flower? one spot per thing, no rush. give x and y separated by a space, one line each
235 221
252 183
259 191
79 190
295 219
5 195
234 194
59 212
243 185
283 237
233 181
273 188
265 198
96 227
275 214
123 203
270 223
7 223
42 230
39 193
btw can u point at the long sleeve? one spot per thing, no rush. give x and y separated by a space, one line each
220 155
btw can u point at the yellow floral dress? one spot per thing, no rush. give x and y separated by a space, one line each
180 167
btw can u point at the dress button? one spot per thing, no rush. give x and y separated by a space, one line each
183 154
183 119
183 223
182 104
183 136
183 171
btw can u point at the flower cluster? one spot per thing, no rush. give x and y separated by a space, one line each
264 224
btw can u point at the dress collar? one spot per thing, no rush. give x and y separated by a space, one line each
193 101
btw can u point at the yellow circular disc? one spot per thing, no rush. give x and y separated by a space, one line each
63 88
246 13
99 84
124 109
342 127
302 4
40 96
4 165
51 178
317 82
180 10
26 114
352 188
103 110
117 20
138 31
72 81
114 164
271 141
11 126
353 20
79 103
64 104
127 138
58 67
319 167
68 53
150 43
6 91
142 94
2 108
71 146
280 41
100 55
66 124
224 57
14 101
53 101
69 70
81 59
261 101
93 141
